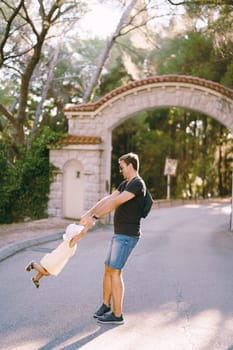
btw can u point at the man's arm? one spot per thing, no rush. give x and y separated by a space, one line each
100 203
106 205
113 201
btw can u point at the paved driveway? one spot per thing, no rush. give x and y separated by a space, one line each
179 289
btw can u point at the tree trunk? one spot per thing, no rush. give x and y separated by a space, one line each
89 93
39 109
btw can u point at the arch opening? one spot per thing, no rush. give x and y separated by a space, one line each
201 145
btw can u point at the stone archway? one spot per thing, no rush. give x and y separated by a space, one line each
91 125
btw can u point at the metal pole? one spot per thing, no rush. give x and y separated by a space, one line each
231 217
168 186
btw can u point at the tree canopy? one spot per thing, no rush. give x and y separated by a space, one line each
45 64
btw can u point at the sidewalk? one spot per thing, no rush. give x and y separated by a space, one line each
18 236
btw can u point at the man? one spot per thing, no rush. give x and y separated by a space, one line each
127 201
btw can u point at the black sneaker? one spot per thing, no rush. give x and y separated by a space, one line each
110 319
102 310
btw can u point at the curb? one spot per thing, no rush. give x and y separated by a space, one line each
11 249
14 248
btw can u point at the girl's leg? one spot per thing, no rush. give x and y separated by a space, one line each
41 272
40 269
34 265
36 279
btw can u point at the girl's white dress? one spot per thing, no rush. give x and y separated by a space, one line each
55 261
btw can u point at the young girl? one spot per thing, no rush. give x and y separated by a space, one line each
52 263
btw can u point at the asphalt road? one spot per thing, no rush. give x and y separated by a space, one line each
179 289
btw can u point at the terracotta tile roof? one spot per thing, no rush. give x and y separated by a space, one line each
92 106
76 140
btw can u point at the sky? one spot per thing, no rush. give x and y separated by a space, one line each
100 21
103 17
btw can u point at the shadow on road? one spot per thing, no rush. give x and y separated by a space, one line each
78 343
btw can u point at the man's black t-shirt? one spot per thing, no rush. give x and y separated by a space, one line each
127 216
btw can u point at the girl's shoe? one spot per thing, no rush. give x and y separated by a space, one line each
30 266
36 282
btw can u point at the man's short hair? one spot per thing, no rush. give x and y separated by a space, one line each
131 158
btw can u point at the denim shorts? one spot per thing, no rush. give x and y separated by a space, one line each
120 248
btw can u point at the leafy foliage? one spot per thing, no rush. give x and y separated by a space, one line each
25 180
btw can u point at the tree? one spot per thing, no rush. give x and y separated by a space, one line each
217 21
25 181
134 16
26 29
105 53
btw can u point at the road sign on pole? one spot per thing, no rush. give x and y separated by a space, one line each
170 170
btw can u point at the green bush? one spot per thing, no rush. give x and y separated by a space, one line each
25 181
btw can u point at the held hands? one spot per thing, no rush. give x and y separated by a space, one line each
76 238
88 220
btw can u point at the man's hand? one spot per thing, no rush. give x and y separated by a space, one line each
87 220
